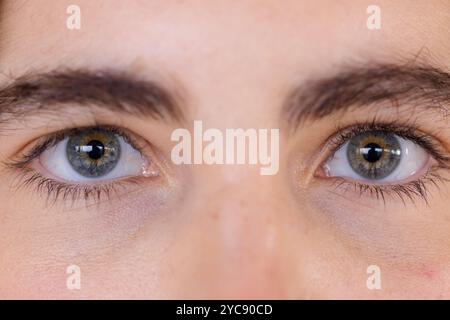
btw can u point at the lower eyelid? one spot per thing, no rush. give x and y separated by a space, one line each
404 193
424 170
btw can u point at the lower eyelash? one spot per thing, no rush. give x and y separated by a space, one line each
417 189
56 190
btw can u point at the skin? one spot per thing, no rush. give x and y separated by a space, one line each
222 231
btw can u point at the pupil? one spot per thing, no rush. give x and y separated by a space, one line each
372 152
97 149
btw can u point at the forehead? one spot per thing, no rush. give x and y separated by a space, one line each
191 36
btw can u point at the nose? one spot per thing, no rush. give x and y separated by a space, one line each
243 231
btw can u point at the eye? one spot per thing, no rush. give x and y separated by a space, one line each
93 155
378 157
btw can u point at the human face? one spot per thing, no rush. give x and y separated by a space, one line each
136 71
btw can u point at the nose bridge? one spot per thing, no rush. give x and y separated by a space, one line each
243 208
246 231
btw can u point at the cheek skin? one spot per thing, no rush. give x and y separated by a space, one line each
408 243
38 246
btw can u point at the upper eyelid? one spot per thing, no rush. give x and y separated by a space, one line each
431 144
50 140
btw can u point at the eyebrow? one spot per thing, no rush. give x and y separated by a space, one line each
115 91
411 85
424 86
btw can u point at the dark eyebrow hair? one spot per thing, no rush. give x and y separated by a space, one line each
113 90
414 85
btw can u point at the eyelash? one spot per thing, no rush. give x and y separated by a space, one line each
411 190
57 190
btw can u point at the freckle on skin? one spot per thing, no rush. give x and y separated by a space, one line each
138 65
421 270
215 216
426 271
